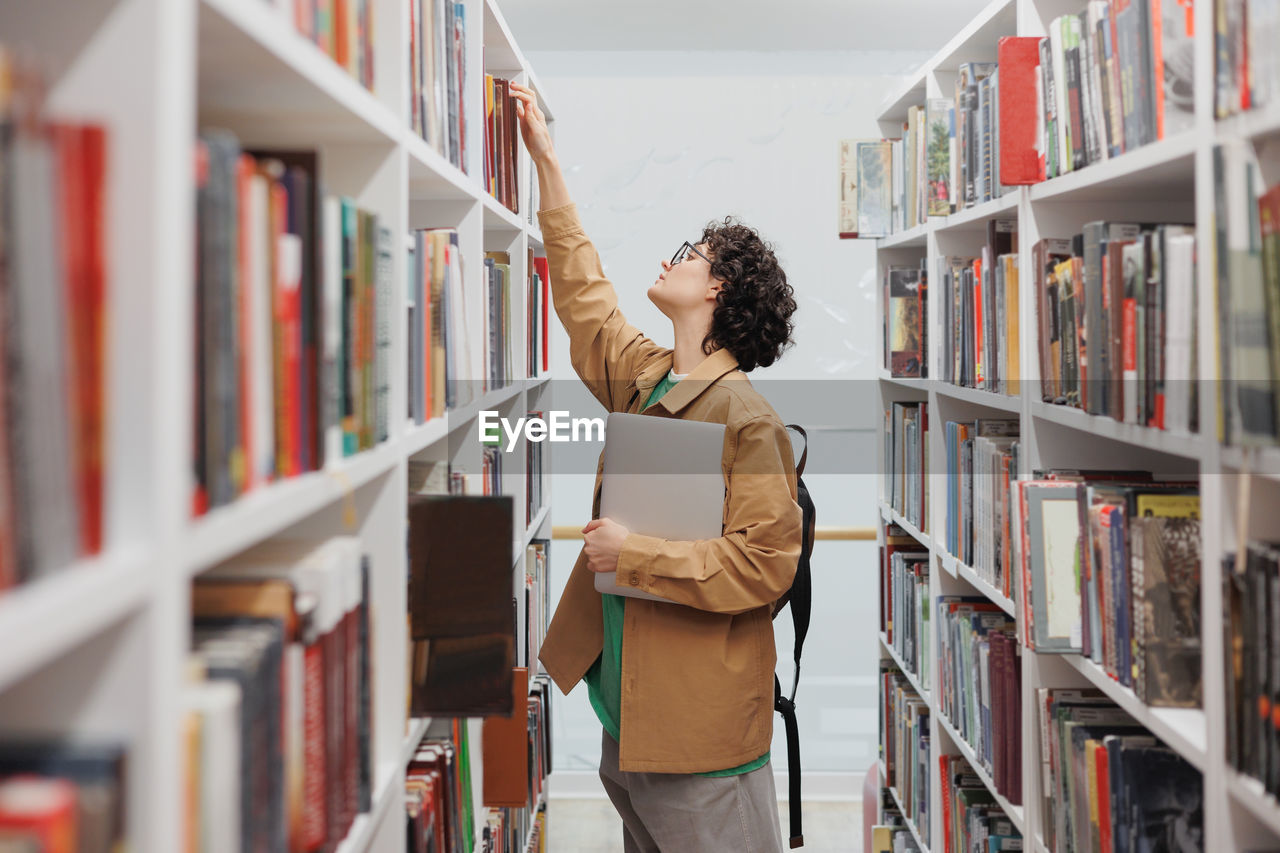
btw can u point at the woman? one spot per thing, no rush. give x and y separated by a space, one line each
685 693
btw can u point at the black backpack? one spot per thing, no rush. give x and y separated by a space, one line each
800 597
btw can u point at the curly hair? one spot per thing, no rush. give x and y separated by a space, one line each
752 317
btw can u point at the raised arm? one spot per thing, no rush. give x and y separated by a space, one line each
606 351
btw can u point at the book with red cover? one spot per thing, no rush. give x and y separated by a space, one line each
540 264
41 808
1019 62
505 748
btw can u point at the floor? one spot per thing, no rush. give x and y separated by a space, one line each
592 826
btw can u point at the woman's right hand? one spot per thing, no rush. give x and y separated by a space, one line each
533 124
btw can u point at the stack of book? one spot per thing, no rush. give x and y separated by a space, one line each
437 76
906 321
980 678
1108 784
1247 254
501 143
54 305
907 461
980 323
1115 77
905 594
971 819
890 834
534 475
1247 73
439 811
1251 625
440 375
982 463
1117 335
905 746
62 796
499 324
1130 599
279 711
293 329
972 123
343 29
537 315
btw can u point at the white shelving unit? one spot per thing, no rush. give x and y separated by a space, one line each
99 649
1167 181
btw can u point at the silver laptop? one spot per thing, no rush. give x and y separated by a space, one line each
661 478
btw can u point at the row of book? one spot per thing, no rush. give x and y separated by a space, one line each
981 530
54 305
905 746
501 143
279 717
906 452
980 323
1247 74
62 797
906 326
343 29
971 818
437 76
1112 562
293 321
439 806
1116 305
1247 256
979 685
1112 78
1251 627
1108 784
890 834
904 600
517 761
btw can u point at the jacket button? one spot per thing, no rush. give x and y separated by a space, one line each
635 581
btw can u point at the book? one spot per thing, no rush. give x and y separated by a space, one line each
1020 160
906 309
437 52
875 190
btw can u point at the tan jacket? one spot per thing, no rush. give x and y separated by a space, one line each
697 680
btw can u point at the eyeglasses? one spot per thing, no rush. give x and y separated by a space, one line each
683 252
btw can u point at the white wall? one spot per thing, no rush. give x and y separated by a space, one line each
656 144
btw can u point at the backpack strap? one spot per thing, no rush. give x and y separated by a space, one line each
800 597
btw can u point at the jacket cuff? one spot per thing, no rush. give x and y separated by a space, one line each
559 221
634 560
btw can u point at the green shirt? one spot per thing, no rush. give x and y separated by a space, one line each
604 678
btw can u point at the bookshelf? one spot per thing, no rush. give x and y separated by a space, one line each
99 649
1166 181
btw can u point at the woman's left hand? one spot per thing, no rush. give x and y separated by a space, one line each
604 538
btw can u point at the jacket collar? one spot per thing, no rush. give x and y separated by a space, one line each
686 390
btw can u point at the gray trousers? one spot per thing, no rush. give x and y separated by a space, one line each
685 813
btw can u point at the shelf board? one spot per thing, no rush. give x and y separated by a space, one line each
44 619
889 514
910 92
1253 124
980 38
1100 426
989 399
1250 793
497 216
911 824
911 676
418 437
910 239
1015 813
271 85
263 513
1161 170
490 400
1182 729
976 217
432 176
500 51
921 385
961 570
1038 844
531 532
1260 461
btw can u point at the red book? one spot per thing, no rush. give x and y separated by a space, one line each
342 32
1019 61
978 373
1102 764
540 264
315 814
44 809
289 318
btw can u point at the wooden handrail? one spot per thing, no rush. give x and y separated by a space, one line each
847 534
